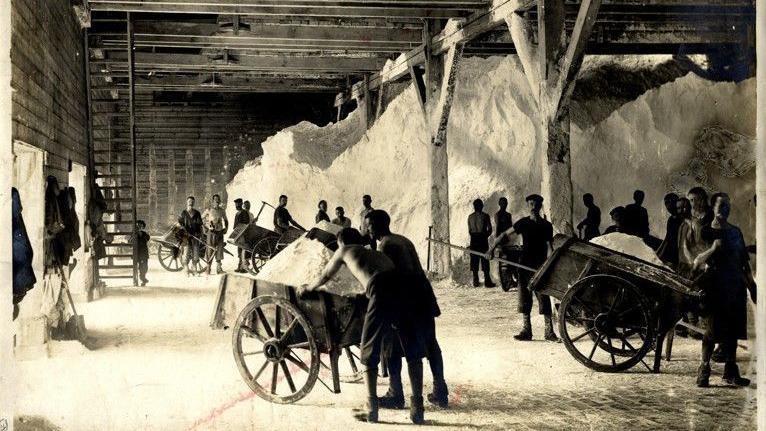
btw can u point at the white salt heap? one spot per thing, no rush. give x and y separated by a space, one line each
301 263
492 151
628 244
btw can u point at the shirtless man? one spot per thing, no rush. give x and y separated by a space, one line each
377 273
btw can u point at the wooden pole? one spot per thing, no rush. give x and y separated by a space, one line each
133 197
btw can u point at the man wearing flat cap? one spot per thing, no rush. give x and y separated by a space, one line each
537 238
241 218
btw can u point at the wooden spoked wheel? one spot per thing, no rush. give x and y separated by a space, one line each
171 258
262 252
605 323
275 350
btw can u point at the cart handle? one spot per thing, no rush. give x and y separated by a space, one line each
491 257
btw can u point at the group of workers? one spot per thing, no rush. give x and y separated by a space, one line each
700 244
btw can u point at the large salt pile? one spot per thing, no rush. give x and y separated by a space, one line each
628 244
492 151
301 263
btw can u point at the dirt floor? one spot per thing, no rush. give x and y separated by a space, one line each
153 363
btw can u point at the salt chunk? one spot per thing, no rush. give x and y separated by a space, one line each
302 262
628 244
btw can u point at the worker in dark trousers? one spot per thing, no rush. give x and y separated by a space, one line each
141 242
725 305
503 222
191 220
537 239
589 227
385 316
242 217
217 224
479 229
420 303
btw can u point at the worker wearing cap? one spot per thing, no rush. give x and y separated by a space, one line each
537 238
242 218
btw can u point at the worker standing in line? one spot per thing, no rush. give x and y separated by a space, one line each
479 229
322 213
503 222
419 302
617 214
216 223
668 250
363 228
692 243
340 218
191 220
282 217
537 239
383 288
589 227
242 218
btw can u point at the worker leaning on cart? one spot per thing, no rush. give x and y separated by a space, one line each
537 239
282 217
383 287
241 218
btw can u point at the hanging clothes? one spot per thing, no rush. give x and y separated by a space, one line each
23 274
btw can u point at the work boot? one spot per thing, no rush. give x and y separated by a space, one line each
391 400
219 269
549 334
703 375
415 370
370 412
440 395
475 279
731 375
526 331
488 281
417 411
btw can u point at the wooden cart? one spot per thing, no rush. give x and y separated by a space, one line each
278 338
171 250
614 308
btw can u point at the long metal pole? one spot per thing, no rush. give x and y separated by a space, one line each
132 85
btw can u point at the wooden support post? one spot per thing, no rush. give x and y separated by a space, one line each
172 185
380 101
551 69
190 177
132 88
151 220
369 118
420 87
440 217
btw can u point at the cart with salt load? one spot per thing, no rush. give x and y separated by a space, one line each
615 307
279 335
260 243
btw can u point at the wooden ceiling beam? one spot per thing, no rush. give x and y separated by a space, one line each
146 61
433 9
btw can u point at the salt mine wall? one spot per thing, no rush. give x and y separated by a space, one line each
49 97
666 139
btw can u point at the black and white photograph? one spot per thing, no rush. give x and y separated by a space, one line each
383 215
